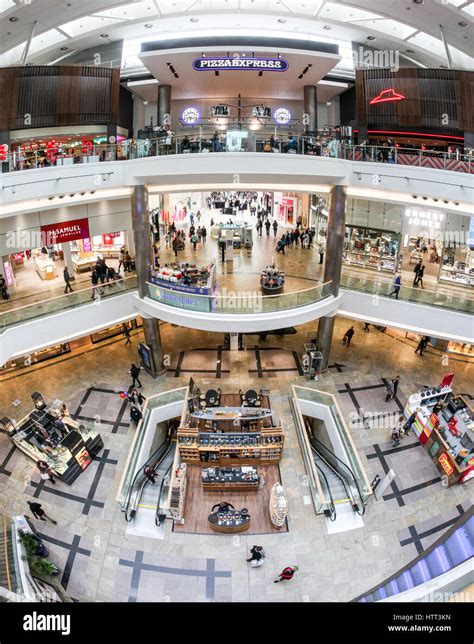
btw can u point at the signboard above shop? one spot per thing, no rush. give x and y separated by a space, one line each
241 63
66 231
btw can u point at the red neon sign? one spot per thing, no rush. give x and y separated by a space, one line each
387 96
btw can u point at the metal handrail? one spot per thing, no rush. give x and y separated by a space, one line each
131 511
5 542
332 507
157 522
326 450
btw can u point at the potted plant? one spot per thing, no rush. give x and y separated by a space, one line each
33 545
42 566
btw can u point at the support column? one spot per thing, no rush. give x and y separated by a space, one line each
164 105
143 262
333 264
66 248
310 110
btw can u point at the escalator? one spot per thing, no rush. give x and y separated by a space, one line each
450 552
343 484
152 493
140 481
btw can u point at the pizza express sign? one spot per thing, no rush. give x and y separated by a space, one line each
241 63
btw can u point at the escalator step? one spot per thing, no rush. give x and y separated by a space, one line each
392 588
459 546
405 581
379 594
420 572
439 561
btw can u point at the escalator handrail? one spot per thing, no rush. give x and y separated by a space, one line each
332 507
345 466
159 495
335 471
130 512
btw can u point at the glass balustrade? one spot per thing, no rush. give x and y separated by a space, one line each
201 144
443 297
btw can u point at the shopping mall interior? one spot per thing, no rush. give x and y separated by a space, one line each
236 323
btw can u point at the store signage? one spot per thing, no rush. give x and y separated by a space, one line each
242 63
428 218
8 273
220 110
445 464
282 116
387 96
66 231
262 112
190 115
3 152
86 244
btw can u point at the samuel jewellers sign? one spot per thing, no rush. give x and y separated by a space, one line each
66 231
241 63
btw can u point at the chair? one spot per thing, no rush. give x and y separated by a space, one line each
251 397
213 397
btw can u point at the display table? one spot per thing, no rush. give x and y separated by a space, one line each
45 267
83 264
278 506
447 434
228 522
232 413
230 478
272 280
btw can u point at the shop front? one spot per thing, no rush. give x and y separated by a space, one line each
184 285
287 208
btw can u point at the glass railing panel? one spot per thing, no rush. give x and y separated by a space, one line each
13 316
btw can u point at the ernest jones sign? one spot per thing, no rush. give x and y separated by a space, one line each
66 231
241 63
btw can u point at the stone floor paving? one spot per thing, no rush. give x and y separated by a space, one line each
99 561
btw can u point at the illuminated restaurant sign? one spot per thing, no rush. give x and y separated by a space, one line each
445 464
241 63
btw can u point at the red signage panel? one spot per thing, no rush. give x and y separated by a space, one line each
66 231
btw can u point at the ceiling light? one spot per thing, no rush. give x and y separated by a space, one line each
409 51
281 20
418 1
64 48
148 25
370 37
327 27
194 19
462 23
14 19
104 35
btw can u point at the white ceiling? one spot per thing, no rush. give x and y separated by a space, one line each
78 24
193 84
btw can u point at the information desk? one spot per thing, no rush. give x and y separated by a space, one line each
228 522
169 286
447 434
230 478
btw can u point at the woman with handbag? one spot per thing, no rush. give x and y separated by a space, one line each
46 472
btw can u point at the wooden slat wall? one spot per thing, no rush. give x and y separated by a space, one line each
430 94
58 95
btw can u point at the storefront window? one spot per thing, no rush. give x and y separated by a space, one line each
370 248
457 265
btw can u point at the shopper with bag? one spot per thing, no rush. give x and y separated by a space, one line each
257 553
286 574
348 336
134 371
46 472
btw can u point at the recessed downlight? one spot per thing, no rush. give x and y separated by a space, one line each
104 35
148 25
370 37
281 20
14 19
64 48
194 19
462 23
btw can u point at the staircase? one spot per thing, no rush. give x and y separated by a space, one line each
335 482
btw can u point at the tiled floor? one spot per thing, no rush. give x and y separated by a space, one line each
100 561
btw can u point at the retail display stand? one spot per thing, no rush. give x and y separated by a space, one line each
278 505
178 493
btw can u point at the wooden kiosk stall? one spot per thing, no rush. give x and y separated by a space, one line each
231 445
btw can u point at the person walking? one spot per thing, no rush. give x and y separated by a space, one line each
150 474
395 437
419 277
135 372
267 226
396 286
128 263
257 553
348 336
123 250
390 391
366 327
396 382
416 270
275 228
135 414
174 245
194 240
126 334
222 247
321 252
286 574
39 513
46 472
67 280
422 344
204 234
96 292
